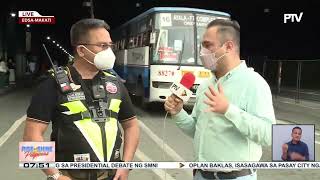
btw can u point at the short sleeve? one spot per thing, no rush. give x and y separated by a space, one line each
126 111
43 102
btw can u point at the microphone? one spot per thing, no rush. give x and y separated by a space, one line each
182 89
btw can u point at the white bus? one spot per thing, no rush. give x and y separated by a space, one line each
157 47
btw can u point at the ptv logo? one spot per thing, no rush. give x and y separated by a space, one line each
292 17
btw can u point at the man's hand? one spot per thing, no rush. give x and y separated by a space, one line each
285 148
217 101
296 156
173 105
62 177
284 151
121 174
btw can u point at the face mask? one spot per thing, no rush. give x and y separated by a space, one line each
103 60
209 59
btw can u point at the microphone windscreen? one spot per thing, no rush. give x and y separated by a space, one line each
187 80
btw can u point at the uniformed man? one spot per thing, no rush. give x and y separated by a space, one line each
85 119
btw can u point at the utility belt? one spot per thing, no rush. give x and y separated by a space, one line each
225 175
77 174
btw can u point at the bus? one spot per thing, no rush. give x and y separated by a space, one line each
157 47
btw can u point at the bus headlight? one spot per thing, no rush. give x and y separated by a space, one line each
161 84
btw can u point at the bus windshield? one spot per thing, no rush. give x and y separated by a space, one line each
175 42
200 31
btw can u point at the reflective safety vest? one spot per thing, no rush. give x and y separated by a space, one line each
77 135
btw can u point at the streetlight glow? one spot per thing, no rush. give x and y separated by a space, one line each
13 14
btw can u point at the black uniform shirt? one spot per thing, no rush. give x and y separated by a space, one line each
44 102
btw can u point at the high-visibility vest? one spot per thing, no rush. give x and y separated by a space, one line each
76 134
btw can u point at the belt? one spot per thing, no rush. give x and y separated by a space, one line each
225 175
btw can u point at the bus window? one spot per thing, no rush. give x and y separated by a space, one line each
122 44
165 50
172 32
114 48
135 42
139 39
200 33
131 42
145 38
162 40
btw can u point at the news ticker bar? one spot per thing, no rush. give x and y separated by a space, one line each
170 165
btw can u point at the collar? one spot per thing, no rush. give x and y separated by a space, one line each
76 75
291 142
233 71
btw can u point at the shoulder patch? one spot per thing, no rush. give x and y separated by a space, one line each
111 87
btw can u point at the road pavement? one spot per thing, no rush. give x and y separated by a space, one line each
177 146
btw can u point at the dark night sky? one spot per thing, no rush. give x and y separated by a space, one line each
261 33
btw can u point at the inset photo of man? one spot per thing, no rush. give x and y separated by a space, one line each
293 142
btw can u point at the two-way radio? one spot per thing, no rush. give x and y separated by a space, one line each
60 75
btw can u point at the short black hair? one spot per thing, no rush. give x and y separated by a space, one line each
79 30
227 30
297 127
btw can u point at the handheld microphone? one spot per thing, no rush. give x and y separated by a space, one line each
182 89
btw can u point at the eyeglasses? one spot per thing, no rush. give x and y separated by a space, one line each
101 45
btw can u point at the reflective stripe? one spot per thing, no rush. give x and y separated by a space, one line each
108 74
51 71
111 128
115 105
75 107
92 133
91 130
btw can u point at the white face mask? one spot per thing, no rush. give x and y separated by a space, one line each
209 59
103 60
